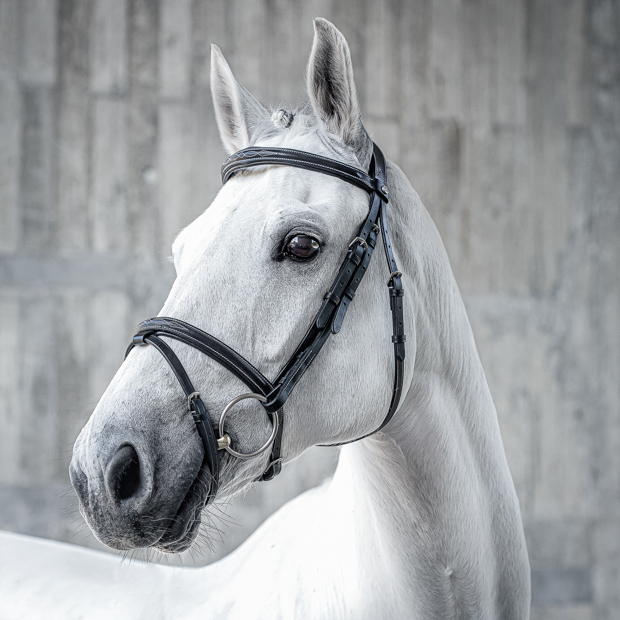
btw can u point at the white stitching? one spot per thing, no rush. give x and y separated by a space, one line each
216 353
357 176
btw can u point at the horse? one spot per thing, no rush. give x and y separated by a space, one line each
420 520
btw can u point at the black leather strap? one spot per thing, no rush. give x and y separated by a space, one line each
327 321
195 406
395 287
275 462
264 156
396 301
207 344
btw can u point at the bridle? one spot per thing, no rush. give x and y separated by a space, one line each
328 320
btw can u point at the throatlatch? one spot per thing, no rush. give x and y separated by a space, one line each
274 394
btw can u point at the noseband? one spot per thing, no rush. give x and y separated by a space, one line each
274 394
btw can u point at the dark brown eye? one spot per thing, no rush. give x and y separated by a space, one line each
302 247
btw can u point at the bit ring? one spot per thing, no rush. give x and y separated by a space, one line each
222 439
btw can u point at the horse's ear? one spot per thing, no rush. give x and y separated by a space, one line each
332 92
240 118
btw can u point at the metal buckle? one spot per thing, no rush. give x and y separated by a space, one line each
190 399
223 442
359 240
394 274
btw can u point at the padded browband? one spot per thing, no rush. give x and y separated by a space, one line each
327 321
264 155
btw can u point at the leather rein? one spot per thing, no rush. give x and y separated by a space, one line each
274 394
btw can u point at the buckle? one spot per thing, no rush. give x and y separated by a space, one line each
394 274
190 400
359 240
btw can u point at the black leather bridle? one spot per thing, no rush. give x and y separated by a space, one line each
274 394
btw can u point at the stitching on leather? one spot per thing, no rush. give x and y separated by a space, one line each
262 151
287 383
327 163
310 360
275 159
216 353
188 334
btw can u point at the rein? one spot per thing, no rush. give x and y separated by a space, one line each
274 394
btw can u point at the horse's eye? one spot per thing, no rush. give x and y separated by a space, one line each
302 247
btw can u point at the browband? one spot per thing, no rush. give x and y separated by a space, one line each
327 321
266 155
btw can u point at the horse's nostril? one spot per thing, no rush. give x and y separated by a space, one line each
123 473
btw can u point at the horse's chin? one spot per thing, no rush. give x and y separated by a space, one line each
179 539
183 527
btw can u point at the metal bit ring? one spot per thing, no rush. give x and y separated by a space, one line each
229 406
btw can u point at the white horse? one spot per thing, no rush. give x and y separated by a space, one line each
419 521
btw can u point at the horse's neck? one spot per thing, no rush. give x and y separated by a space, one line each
433 507
432 496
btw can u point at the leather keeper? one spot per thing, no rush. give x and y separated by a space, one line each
332 297
275 401
197 416
399 339
350 293
138 339
357 255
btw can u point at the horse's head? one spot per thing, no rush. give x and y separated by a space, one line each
252 270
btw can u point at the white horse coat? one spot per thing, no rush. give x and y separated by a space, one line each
420 521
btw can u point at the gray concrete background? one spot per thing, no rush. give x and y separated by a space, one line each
505 114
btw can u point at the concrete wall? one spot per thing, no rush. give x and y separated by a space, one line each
505 115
